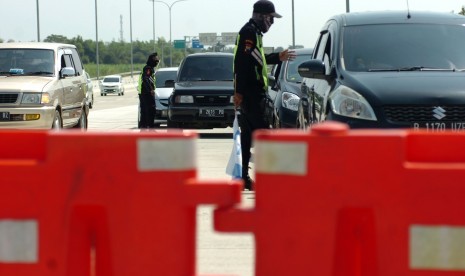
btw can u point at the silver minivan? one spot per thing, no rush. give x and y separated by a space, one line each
42 86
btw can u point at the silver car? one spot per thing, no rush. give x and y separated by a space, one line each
42 86
163 92
112 84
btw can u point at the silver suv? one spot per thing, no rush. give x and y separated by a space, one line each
42 86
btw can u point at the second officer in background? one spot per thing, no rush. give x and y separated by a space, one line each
146 90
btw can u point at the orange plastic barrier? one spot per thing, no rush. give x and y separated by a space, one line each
362 202
131 197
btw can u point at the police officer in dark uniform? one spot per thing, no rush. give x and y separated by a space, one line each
251 78
147 92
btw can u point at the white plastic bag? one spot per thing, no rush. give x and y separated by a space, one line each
234 167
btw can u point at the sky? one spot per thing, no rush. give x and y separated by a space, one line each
70 18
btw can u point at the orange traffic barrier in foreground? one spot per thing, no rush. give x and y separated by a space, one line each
130 196
362 202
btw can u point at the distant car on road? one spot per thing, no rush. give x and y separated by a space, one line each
42 86
90 91
286 82
387 70
112 84
203 92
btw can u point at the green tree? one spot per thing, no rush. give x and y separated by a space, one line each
462 11
56 38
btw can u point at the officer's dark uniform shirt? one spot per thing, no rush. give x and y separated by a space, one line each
147 83
248 66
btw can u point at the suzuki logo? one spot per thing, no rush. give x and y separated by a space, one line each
439 112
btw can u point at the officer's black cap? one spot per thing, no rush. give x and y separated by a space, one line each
265 7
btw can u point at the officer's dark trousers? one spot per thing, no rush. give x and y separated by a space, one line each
249 122
147 111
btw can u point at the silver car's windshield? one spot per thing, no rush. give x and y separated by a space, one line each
401 47
292 75
162 76
111 80
26 62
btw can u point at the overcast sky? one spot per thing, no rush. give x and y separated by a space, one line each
18 18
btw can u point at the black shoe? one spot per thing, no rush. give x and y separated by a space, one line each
248 184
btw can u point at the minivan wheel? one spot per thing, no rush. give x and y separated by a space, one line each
57 124
82 123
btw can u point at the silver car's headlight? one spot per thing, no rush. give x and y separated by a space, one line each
184 99
290 101
35 98
346 102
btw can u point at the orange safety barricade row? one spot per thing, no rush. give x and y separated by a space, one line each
130 196
360 202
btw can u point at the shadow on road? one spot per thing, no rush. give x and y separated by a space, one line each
215 135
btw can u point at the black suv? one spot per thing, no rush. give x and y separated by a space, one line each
203 92
387 70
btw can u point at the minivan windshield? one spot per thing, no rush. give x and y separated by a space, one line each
403 47
26 62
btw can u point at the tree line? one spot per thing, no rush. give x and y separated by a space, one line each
119 52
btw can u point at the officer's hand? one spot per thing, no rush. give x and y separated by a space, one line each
287 55
237 100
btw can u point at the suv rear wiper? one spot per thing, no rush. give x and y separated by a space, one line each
413 68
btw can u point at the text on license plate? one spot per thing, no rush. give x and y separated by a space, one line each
4 116
212 112
439 126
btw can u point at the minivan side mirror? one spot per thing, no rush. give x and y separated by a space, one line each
313 69
169 83
67 72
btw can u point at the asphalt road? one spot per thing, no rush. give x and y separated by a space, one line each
217 253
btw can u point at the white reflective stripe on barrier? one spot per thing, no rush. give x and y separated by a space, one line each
437 247
281 157
166 154
18 241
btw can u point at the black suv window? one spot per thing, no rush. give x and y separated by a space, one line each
403 47
202 68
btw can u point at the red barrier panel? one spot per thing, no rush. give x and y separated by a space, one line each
130 196
362 202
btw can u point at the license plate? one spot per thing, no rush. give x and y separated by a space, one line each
439 126
4 116
211 113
